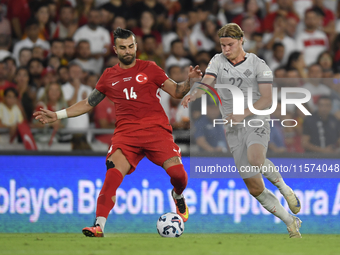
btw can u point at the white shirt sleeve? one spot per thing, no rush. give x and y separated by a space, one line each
212 68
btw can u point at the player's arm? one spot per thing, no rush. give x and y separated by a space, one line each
264 102
199 91
46 116
179 90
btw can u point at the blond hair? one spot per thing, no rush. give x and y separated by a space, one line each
231 30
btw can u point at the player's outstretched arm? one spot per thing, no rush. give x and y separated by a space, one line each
46 116
179 90
197 93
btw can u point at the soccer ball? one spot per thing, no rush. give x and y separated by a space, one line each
170 225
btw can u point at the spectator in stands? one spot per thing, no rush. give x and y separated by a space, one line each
259 49
149 50
147 26
315 86
177 55
35 68
199 34
211 28
251 9
5 44
206 140
27 93
248 27
328 19
25 56
182 32
43 16
66 26
106 16
178 116
325 60
312 41
335 96
277 135
285 9
116 7
84 59
18 16
58 50
52 11
321 131
38 52
279 35
10 115
53 100
202 56
105 117
4 83
291 27
277 59
69 49
148 5
32 31
111 61
292 135
11 68
54 62
296 61
63 74
92 80
83 9
5 25
74 91
98 37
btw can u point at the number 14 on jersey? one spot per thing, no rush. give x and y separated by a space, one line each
133 94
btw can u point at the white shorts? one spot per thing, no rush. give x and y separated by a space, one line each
240 139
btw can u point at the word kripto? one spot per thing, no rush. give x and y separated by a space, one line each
207 198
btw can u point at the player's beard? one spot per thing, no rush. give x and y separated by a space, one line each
127 61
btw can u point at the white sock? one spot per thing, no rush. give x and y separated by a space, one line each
270 172
270 202
175 195
101 221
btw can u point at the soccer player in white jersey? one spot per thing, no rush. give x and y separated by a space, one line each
249 144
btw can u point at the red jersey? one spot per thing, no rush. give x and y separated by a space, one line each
135 92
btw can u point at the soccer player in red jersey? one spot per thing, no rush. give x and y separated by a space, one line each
142 127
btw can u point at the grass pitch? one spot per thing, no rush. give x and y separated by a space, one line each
188 244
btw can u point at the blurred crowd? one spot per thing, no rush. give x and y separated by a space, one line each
52 52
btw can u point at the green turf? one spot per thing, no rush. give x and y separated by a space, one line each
188 244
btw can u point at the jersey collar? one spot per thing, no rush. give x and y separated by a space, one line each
239 63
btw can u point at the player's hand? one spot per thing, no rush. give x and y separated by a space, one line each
195 72
45 116
235 118
185 102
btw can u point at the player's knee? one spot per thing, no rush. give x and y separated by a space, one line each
109 164
255 159
255 191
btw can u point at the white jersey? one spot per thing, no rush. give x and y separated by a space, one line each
247 73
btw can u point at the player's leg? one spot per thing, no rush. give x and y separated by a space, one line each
257 141
179 179
256 157
163 151
273 175
117 167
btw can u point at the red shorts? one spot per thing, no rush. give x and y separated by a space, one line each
156 143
